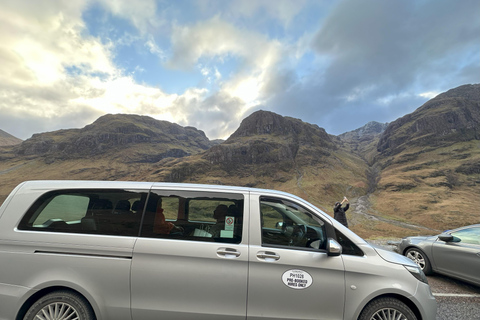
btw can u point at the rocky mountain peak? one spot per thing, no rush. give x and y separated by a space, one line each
372 128
269 123
118 132
450 117
265 122
468 92
267 138
6 139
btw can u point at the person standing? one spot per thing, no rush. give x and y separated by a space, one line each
339 211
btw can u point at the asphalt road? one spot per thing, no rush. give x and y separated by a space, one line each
456 300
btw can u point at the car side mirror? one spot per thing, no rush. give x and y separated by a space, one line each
445 237
333 248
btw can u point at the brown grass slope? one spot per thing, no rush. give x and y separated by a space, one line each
422 169
114 147
430 163
267 150
271 151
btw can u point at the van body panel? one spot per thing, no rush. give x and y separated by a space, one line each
269 297
240 275
97 266
188 280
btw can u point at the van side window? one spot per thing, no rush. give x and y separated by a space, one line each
198 216
285 223
108 212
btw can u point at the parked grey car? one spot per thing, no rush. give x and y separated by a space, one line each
144 251
454 253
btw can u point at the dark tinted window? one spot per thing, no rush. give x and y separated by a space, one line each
109 212
199 216
348 247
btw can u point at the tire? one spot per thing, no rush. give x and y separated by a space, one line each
420 258
60 305
386 309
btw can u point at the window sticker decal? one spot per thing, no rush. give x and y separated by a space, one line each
229 223
297 279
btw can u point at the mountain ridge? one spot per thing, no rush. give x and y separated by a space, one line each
421 168
114 134
6 139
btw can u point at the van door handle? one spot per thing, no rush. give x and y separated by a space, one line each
268 256
228 253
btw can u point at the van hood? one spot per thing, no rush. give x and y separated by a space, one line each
393 257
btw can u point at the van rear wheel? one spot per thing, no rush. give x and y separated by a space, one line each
386 309
60 305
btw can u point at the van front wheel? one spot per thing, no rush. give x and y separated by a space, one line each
60 305
385 309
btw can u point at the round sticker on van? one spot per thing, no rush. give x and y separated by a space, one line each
297 279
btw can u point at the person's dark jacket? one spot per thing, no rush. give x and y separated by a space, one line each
339 213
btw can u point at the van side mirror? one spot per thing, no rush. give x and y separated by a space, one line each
333 248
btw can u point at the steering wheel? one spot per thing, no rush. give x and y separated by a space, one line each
298 235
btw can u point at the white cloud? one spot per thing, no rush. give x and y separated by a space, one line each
141 13
429 94
43 46
218 41
55 69
154 48
216 38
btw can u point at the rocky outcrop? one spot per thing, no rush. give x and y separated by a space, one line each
268 123
116 132
450 117
267 138
366 133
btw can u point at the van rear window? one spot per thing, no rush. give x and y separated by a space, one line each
109 212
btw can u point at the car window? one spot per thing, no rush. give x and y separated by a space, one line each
348 247
65 206
286 223
470 235
108 212
199 216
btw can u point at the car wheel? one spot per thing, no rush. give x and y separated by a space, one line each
386 309
60 305
420 258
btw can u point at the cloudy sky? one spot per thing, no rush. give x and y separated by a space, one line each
211 63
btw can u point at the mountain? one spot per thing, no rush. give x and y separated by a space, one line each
272 151
131 138
268 138
446 119
417 174
7 139
429 162
363 141
114 147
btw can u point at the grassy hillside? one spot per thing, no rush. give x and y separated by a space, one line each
418 175
436 187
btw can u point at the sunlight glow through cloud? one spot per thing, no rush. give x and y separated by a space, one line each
210 63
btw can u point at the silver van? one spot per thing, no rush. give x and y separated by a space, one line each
143 251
